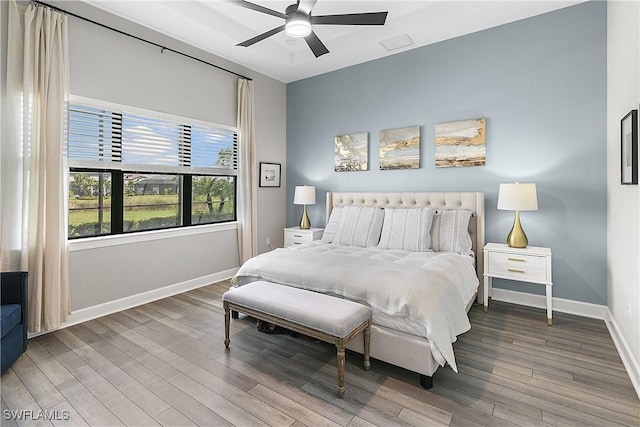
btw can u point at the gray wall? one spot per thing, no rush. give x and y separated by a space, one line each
623 227
541 84
108 66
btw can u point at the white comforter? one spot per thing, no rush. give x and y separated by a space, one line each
428 289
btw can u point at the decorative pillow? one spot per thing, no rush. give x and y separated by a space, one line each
408 229
360 226
450 232
332 226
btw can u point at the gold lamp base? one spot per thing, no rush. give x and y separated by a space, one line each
516 237
305 224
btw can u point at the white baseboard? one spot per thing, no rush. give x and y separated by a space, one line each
630 363
115 306
594 311
579 308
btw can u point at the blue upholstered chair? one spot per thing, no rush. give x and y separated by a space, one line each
13 312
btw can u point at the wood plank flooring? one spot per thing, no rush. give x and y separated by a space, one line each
164 363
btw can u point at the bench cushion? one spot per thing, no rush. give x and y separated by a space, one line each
10 315
331 315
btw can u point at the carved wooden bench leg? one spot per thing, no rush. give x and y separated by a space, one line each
367 345
227 321
341 363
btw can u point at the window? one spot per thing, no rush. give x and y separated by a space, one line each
152 201
89 203
212 199
134 170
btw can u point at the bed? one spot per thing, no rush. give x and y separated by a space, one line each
419 298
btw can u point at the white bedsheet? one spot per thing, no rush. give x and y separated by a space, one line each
425 292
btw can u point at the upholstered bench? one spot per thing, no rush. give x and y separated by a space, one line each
330 319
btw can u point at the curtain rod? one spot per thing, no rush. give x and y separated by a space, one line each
162 48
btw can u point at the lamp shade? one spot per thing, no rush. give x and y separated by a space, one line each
517 197
304 195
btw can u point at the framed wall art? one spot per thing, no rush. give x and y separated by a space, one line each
629 148
269 174
461 143
400 148
351 152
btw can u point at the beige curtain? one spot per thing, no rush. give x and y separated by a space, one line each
247 194
33 187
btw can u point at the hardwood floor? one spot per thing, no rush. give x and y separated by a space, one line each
164 363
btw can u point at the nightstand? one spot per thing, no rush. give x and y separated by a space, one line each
297 236
531 264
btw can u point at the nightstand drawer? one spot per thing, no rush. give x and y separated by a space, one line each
518 271
296 236
516 260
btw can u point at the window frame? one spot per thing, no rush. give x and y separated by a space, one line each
118 170
91 171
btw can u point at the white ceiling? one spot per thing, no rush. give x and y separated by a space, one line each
216 26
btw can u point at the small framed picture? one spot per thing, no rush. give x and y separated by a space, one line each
269 174
629 148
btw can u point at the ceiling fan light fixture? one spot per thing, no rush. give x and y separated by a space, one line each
298 22
298 26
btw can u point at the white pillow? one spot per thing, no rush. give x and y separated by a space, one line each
408 229
450 231
332 226
360 226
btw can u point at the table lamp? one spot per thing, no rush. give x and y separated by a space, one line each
517 197
304 195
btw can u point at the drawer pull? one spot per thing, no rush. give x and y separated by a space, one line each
513 270
515 259
297 235
297 243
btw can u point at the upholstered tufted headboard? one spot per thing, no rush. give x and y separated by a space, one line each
472 201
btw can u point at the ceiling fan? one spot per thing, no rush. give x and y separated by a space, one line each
298 22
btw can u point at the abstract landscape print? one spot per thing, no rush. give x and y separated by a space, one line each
351 152
400 148
461 143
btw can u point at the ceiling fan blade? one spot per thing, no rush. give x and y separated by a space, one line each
317 47
260 37
372 18
259 8
306 6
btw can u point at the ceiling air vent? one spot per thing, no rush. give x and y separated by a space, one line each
397 42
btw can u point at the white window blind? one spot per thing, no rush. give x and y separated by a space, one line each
119 139
94 135
218 147
151 141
